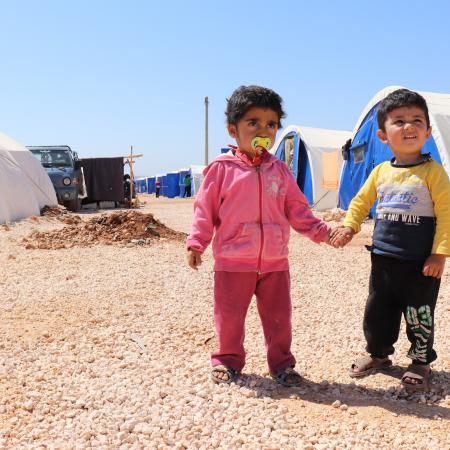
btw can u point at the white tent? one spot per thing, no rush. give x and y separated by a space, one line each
196 177
315 159
25 187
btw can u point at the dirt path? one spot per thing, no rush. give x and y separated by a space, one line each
107 346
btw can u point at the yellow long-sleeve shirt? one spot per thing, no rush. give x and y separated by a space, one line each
413 211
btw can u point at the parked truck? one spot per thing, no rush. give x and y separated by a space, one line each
64 169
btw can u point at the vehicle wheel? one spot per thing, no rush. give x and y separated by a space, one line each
73 205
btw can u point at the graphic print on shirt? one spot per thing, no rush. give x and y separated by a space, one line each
405 219
274 186
420 322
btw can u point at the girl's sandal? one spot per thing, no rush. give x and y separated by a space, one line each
419 373
230 373
287 377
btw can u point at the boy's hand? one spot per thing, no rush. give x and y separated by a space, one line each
434 266
194 259
341 236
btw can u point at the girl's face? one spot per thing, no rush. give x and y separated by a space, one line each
256 121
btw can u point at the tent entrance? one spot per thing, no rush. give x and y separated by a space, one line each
293 152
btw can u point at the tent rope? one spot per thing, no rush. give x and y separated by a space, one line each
320 199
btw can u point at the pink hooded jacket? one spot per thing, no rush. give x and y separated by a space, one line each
250 210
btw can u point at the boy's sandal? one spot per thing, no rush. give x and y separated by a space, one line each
287 377
419 373
367 366
230 373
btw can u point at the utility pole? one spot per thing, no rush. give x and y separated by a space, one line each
206 131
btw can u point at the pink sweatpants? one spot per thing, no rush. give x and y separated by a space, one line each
233 292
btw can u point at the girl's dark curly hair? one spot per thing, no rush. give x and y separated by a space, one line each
246 97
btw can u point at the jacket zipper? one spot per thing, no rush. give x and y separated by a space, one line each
258 171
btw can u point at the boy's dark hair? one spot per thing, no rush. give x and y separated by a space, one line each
399 99
245 97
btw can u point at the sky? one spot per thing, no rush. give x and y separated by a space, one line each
102 76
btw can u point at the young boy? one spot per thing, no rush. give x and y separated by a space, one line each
248 202
411 239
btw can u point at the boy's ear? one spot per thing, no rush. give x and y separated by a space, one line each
429 131
232 130
382 136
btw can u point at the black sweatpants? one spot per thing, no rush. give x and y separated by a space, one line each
398 286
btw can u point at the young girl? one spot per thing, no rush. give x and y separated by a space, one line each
248 201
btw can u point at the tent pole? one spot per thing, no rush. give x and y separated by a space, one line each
206 131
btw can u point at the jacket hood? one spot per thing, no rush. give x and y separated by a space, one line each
232 158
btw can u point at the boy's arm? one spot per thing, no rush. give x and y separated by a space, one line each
300 216
362 202
439 186
206 209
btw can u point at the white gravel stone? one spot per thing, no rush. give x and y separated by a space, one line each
75 379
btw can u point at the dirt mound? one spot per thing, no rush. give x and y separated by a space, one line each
333 215
53 211
120 228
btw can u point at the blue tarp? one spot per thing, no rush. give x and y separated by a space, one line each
172 185
151 185
366 152
164 187
141 185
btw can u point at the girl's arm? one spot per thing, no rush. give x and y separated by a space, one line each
206 209
300 216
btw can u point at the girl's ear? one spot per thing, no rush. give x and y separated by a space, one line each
232 130
382 136
429 131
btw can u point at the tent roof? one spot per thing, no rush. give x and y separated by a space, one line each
197 168
439 111
315 137
437 103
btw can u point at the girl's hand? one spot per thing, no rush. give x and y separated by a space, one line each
194 259
434 266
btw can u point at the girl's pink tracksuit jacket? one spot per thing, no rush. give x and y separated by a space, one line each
249 210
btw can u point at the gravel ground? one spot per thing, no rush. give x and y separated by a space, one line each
108 347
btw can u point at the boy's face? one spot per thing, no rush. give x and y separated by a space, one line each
405 132
256 121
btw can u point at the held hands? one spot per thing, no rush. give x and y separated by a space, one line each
434 266
194 259
340 236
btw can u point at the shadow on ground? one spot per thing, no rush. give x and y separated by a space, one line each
396 400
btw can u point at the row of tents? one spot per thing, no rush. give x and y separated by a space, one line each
172 184
330 166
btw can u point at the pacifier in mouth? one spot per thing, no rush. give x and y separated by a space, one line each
263 142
